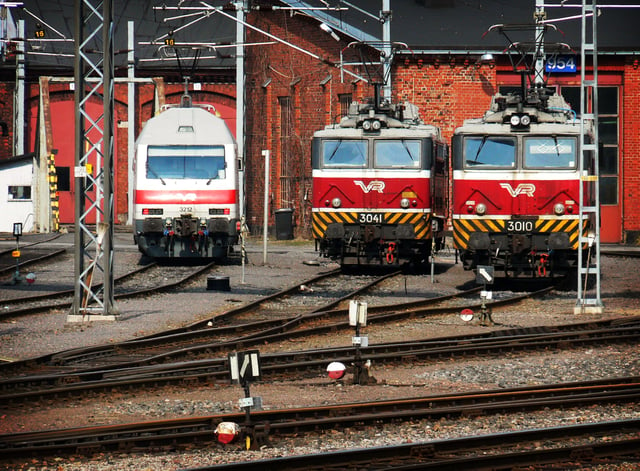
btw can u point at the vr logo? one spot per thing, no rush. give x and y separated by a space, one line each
374 185
522 189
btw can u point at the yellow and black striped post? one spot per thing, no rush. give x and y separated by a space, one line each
53 193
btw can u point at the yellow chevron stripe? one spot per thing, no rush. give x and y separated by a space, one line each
463 228
321 220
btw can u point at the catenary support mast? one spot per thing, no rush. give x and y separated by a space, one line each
93 171
589 300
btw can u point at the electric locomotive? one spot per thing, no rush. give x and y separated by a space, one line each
380 186
516 186
186 184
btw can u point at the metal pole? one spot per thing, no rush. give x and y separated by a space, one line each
539 64
78 245
385 16
240 100
266 155
18 128
131 116
108 149
93 63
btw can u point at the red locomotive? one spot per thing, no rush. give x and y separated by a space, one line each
380 186
516 186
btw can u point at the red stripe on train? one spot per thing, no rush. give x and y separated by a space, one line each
185 196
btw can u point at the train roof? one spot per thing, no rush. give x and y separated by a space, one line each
192 125
378 116
543 108
477 126
414 131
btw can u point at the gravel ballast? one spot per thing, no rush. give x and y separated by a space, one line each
287 264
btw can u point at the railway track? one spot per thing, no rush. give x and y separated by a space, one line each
126 286
30 254
274 310
566 447
228 331
24 390
263 426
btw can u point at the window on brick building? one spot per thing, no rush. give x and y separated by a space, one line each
345 100
286 152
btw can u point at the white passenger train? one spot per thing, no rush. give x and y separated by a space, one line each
186 185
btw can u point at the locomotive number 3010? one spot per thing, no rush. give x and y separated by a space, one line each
370 218
520 226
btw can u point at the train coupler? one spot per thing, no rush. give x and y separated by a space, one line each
391 248
542 263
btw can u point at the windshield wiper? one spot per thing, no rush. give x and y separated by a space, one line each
153 172
475 159
406 147
555 139
334 151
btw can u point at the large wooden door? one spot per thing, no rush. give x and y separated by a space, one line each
62 117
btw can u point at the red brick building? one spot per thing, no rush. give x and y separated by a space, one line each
293 91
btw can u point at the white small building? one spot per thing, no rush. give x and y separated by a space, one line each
17 193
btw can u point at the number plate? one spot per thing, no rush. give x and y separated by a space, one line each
520 225
563 64
371 218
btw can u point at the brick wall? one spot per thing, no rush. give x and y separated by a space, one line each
277 71
6 119
630 148
446 92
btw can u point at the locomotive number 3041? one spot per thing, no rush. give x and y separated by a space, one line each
519 226
370 218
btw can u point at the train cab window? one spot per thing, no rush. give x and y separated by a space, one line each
185 162
401 153
344 153
549 152
490 151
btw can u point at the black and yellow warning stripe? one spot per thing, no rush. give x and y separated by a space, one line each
421 221
463 228
53 193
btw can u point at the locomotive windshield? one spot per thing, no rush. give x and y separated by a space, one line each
490 151
387 153
343 153
185 162
402 153
549 152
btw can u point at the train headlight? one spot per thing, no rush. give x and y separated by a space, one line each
371 125
520 121
481 209
404 203
336 202
558 209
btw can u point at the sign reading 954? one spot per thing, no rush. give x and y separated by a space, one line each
561 64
